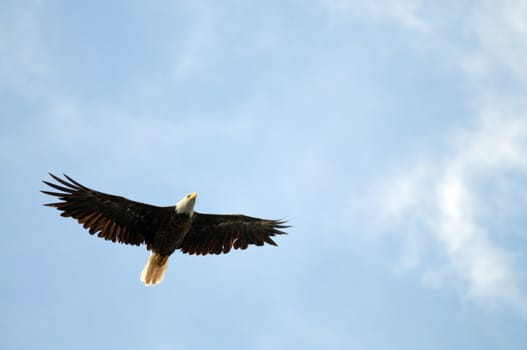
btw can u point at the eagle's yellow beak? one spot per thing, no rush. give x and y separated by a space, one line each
193 195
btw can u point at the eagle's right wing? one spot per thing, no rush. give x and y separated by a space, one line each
216 234
114 218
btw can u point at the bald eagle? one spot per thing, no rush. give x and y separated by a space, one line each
162 229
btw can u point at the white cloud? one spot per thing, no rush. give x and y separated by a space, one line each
475 256
446 207
444 198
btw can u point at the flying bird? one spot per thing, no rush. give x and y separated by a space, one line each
163 229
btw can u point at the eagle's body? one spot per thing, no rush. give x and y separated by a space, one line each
162 229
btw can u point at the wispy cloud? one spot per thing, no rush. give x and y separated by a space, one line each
25 67
501 30
403 12
191 55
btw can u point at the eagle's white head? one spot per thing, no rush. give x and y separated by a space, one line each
186 204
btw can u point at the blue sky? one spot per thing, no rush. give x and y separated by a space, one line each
391 133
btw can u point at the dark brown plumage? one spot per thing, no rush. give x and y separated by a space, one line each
162 229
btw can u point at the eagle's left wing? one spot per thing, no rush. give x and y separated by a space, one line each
216 234
113 218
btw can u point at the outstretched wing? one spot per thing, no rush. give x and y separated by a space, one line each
216 234
112 217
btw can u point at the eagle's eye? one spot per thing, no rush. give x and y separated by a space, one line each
188 195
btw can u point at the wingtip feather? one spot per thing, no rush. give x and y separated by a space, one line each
74 182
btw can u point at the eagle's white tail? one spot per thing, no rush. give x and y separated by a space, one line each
155 269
